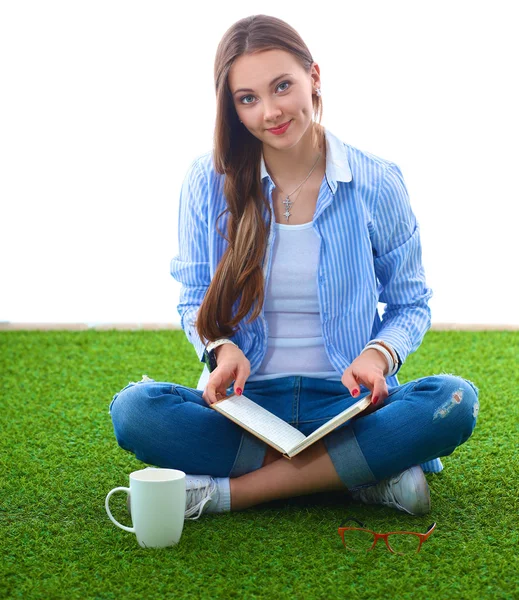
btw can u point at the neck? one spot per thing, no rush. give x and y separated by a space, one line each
292 165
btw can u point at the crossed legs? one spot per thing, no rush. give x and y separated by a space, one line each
310 471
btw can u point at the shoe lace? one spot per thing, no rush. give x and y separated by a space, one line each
197 496
381 493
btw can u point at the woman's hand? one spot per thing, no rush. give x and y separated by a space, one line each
368 369
233 365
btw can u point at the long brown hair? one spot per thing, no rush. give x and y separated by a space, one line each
237 154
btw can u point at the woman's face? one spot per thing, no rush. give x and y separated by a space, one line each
269 100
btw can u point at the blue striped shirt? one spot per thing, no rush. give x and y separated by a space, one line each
370 252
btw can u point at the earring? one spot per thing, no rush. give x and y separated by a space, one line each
317 91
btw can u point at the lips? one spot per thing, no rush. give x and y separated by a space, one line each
281 128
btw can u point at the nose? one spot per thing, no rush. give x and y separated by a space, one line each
271 113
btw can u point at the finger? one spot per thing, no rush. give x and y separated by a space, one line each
349 381
379 390
219 382
207 397
210 392
241 378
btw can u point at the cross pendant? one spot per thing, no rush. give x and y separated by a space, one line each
287 202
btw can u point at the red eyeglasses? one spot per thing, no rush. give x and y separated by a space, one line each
360 539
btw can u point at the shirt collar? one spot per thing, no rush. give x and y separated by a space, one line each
337 165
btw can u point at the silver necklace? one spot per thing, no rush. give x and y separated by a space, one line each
287 202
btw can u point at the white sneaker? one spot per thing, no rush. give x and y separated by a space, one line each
200 489
407 491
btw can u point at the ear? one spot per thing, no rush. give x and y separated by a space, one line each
316 75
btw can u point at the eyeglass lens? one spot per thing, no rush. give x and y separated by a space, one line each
358 540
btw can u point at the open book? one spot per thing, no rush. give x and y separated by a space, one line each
274 431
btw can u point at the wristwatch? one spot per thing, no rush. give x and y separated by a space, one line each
210 359
210 355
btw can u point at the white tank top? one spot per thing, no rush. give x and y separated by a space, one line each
295 344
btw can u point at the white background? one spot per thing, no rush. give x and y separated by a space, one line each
104 104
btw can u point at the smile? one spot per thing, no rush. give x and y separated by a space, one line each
280 130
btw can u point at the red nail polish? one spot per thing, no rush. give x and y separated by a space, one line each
239 391
354 392
375 399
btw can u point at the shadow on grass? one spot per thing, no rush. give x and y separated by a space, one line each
328 499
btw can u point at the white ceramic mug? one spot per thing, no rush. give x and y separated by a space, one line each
158 504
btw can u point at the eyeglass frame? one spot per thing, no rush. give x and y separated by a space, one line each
423 536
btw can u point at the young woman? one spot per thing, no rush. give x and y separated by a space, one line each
288 240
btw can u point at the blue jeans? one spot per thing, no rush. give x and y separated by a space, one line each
171 426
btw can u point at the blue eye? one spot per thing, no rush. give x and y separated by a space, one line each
250 96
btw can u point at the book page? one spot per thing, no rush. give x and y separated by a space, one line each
332 424
259 420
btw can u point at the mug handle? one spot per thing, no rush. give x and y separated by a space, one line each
117 489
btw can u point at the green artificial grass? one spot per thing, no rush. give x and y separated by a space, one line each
60 458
